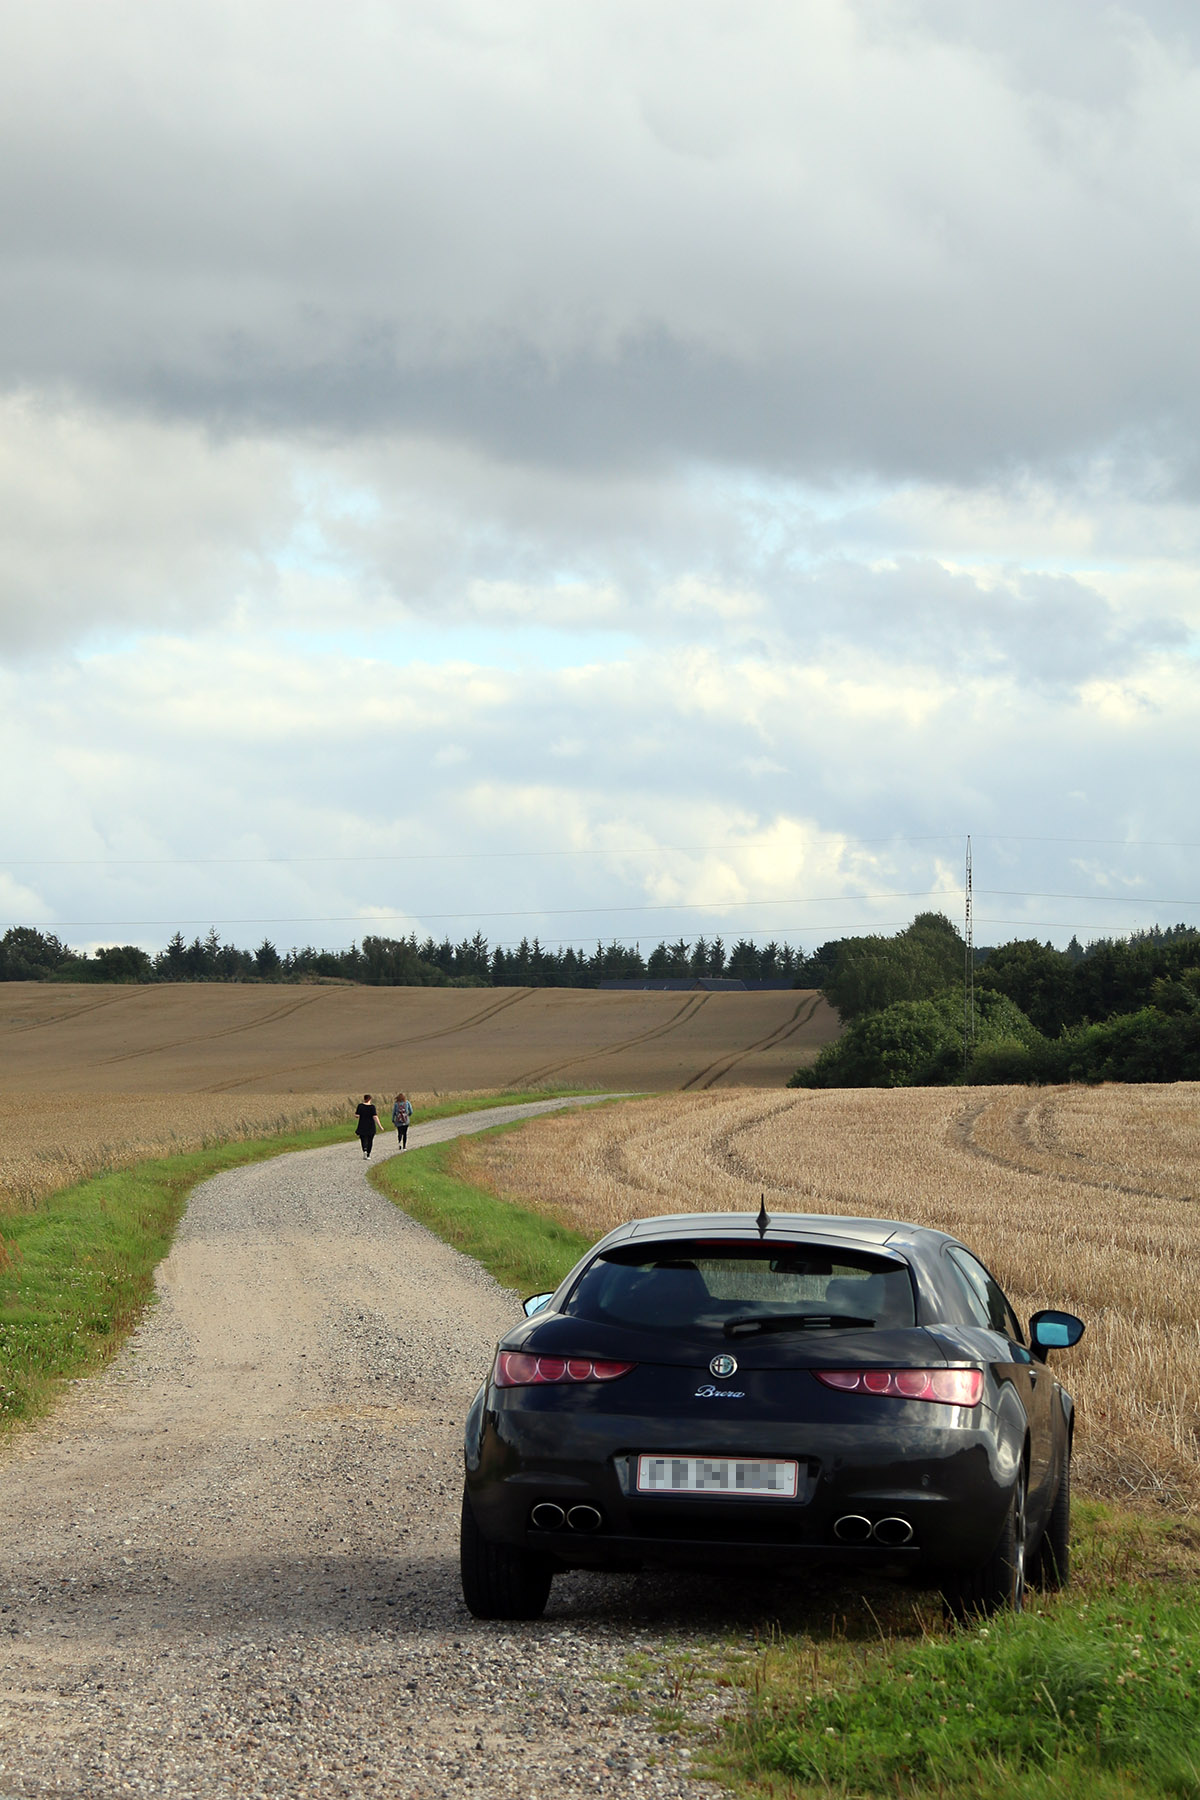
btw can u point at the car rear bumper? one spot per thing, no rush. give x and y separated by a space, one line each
947 1483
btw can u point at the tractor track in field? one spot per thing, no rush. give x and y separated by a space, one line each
388 1045
722 1150
210 1037
960 1134
716 1071
76 1012
687 1011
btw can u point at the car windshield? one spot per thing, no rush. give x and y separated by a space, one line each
739 1288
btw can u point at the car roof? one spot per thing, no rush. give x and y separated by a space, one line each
744 1226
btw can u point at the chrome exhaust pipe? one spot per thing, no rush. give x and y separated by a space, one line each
548 1516
852 1528
893 1532
584 1518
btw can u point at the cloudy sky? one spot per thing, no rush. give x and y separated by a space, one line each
598 469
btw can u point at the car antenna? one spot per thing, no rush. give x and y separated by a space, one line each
764 1218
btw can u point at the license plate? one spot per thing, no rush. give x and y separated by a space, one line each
733 1477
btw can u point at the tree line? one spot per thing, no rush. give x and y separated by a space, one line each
1123 1009
30 955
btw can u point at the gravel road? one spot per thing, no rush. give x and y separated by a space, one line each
228 1565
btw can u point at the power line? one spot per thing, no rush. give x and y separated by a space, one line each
227 862
224 862
540 912
675 906
1011 837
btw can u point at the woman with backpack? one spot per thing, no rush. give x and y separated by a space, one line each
401 1114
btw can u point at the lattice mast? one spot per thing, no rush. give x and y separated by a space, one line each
969 968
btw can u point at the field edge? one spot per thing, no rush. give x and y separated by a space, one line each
77 1268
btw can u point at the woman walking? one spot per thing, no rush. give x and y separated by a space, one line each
368 1123
401 1114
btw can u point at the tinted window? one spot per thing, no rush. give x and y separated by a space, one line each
703 1284
985 1296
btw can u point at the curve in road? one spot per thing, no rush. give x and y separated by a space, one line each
228 1564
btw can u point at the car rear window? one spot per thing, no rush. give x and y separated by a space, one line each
751 1287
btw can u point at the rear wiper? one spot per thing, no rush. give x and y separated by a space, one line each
794 1322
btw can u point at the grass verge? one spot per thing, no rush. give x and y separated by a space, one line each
1092 1694
523 1250
77 1269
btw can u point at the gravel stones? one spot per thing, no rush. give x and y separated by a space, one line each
229 1564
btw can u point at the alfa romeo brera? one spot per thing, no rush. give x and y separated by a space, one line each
778 1392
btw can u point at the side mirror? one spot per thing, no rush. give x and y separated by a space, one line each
535 1303
1052 1330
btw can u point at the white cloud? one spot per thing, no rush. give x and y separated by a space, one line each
276 754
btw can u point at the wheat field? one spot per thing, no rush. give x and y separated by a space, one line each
1085 1198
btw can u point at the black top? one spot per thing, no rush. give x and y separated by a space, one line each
368 1119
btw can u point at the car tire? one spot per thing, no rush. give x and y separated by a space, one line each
498 1580
998 1585
1050 1565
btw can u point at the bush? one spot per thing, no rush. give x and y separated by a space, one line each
1143 1046
1009 1063
920 1043
913 1043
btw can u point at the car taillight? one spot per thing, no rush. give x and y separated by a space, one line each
953 1387
517 1368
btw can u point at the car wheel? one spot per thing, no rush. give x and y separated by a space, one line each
498 1580
1050 1565
999 1583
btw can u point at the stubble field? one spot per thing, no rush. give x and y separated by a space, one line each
49 1142
192 1038
1086 1198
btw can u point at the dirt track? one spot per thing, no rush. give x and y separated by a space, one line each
228 1565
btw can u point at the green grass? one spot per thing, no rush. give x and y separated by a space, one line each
77 1270
1093 1694
523 1250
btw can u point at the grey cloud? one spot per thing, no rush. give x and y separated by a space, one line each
1070 50
779 238
1050 629
117 525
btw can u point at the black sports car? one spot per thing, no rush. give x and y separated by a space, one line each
713 1388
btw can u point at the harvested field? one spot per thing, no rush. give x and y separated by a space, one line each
181 1038
47 1142
1087 1198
